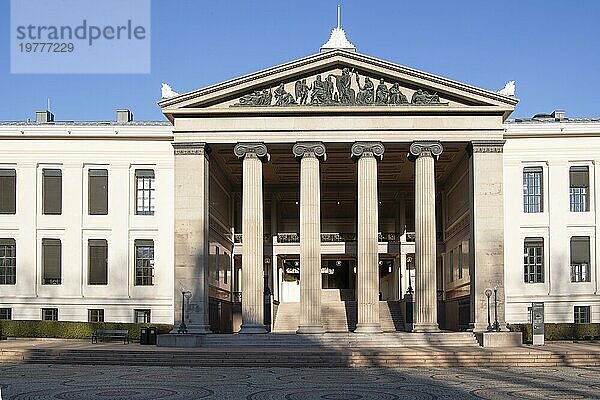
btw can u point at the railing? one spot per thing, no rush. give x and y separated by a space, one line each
410 237
288 238
238 238
338 237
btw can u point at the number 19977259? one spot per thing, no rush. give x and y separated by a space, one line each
46 47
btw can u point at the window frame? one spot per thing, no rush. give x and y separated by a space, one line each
5 314
587 195
143 279
89 258
57 281
98 318
8 174
530 207
53 311
582 314
145 312
48 172
537 269
580 270
6 269
98 172
141 174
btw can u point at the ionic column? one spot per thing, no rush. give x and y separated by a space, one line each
253 155
192 177
425 307
310 155
367 154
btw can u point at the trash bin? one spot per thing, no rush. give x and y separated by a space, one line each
152 332
143 335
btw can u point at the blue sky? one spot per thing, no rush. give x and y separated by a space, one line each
551 48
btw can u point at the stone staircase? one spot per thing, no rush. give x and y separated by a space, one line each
338 315
305 356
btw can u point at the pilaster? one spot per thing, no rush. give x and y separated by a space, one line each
486 245
192 177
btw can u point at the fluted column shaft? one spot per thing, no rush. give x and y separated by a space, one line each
425 308
367 154
310 155
253 155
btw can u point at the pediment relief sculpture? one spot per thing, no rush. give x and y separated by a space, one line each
347 88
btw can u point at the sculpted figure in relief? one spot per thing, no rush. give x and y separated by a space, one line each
366 93
343 83
396 95
301 91
318 96
282 97
423 97
382 93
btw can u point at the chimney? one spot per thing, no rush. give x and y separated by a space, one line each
559 115
43 117
124 116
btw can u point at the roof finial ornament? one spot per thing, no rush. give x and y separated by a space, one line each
338 39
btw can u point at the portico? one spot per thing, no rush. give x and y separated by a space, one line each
378 192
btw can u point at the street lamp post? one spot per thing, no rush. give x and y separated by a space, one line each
496 324
488 294
185 294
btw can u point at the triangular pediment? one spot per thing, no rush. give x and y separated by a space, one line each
337 80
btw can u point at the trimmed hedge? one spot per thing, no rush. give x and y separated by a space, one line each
69 330
560 331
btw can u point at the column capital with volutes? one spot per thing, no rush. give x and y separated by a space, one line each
309 149
367 149
256 149
424 149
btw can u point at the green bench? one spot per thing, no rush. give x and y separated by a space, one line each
103 334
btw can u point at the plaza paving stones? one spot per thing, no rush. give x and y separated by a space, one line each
70 382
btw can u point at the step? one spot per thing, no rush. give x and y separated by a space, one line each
338 316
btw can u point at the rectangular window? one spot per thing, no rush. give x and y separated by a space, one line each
144 262
98 192
96 315
49 314
51 262
5 313
580 259
8 191
534 260
460 262
97 262
532 190
141 316
451 266
144 187
582 314
52 191
8 262
579 189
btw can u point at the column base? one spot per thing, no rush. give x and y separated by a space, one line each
425 327
368 328
253 329
310 329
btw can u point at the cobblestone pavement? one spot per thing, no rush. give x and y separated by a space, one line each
20 382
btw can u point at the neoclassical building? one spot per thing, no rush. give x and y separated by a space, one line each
335 192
